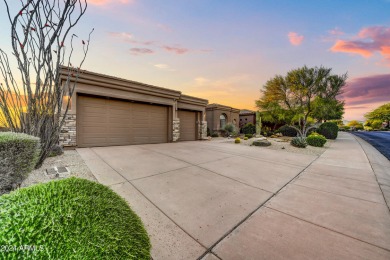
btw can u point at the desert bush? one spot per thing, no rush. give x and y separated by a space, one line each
249 128
344 128
299 142
287 131
316 140
56 150
215 134
237 140
248 135
329 130
229 128
245 138
73 219
18 156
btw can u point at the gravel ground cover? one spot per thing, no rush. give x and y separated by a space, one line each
282 144
70 159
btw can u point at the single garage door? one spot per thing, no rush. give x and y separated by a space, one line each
187 125
106 122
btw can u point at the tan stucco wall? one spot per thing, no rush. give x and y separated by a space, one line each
106 86
214 112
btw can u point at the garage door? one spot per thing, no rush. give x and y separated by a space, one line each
105 122
187 125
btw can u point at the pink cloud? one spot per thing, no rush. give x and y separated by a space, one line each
295 39
137 51
368 41
177 50
128 37
105 2
366 90
364 94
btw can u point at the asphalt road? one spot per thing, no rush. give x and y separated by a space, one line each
380 140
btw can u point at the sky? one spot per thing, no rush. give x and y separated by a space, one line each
225 50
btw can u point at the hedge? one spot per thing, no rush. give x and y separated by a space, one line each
71 219
316 140
18 157
329 130
287 131
249 128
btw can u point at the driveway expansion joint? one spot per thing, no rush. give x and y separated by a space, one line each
338 194
329 229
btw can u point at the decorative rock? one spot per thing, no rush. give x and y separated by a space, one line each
261 142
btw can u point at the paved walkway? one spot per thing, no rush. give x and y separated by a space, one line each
209 200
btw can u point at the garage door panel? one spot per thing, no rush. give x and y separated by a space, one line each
187 125
104 122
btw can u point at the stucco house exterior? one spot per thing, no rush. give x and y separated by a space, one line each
219 115
108 111
247 116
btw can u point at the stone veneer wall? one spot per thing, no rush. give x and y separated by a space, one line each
176 130
202 130
68 131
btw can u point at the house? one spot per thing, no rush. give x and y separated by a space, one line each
247 116
108 111
219 115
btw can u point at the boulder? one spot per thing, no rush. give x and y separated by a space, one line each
261 142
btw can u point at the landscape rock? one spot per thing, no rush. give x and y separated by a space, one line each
262 142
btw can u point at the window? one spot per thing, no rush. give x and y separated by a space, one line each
222 121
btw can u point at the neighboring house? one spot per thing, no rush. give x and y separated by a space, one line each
219 115
247 116
108 111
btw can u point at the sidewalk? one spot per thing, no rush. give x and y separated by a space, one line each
335 209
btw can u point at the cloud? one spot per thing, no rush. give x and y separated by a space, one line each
367 90
164 67
177 50
336 31
368 41
137 51
295 39
128 37
105 2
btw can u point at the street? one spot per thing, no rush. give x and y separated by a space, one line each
380 140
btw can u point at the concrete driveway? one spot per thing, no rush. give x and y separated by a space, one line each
215 200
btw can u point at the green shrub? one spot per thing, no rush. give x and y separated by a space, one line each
237 140
215 134
344 128
329 130
287 131
245 138
208 132
248 135
299 142
316 140
249 128
73 219
18 157
229 128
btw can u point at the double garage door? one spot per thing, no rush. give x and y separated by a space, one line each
106 122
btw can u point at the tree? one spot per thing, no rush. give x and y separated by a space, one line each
325 109
381 113
355 124
297 96
42 44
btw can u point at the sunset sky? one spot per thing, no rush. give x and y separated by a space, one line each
225 51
